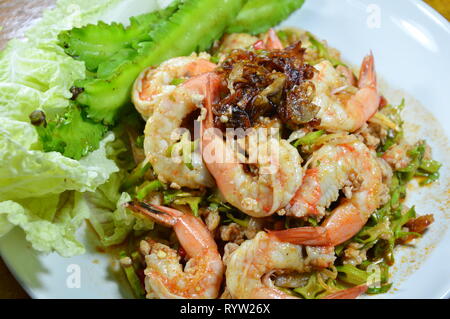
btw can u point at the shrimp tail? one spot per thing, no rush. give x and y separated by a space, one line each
162 215
273 42
367 74
351 293
309 236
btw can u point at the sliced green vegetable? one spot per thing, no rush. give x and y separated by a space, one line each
215 203
193 202
400 222
312 289
136 175
393 112
176 81
313 222
355 276
370 234
133 279
147 188
258 16
309 139
430 170
430 166
379 290
180 197
140 141
416 156
241 222
352 275
418 167
193 27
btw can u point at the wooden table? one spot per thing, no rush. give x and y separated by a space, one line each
9 288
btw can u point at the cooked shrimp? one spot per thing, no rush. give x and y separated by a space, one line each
236 41
250 267
397 156
269 41
341 109
351 166
160 131
265 190
164 276
153 85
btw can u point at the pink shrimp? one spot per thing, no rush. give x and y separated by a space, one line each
250 266
341 108
153 84
349 165
259 194
270 41
165 277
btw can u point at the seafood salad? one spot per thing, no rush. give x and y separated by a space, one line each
293 186
237 160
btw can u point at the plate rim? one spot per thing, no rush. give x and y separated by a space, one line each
444 24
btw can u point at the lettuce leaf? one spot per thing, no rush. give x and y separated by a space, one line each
33 173
34 191
49 222
36 73
41 192
112 222
63 134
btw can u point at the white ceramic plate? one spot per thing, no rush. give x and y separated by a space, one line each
411 43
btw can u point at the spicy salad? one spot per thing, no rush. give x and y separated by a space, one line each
224 156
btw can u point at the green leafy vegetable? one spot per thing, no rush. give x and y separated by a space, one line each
33 173
72 134
258 16
109 218
49 222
